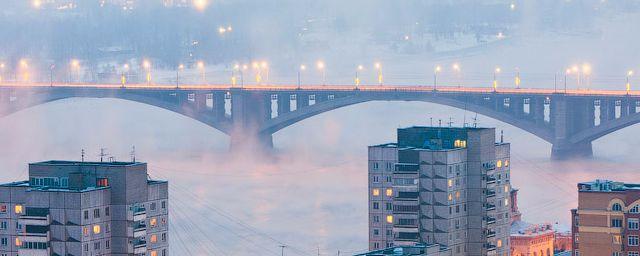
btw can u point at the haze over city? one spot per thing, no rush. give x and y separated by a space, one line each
309 192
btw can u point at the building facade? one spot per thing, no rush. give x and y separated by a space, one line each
532 240
84 208
606 220
447 186
414 250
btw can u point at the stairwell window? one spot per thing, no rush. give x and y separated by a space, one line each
375 192
389 192
18 209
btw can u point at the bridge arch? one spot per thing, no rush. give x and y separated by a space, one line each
273 125
40 98
605 128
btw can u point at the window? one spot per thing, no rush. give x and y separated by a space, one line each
376 219
102 182
633 209
616 207
633 254
164 252
153 206
96 246
375 192
499 163
633 241
632 223
96 213
376 205
499 243
616 254
4 241
86 214
376 179
617 239
85 231
616 223
85 247
457 194
153 222
450 197
3 208
450 183
164 205
96 229
3 225
376 232
106 211
389 192
390 219
389 206
506 201
154 253
18 242
375 166
154 239
18 209
164 237
107 244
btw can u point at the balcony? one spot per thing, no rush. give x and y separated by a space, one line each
490 220
35 217
491 193
490 233
491 180
139 213
33 252
139 246
490 207
406 168
490 247
139 230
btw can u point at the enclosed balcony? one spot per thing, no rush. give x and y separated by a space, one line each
490 220
489 207
491 233
35 217
491 193
139 246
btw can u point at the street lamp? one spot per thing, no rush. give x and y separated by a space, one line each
358 69
436 70
75 69
457 70
300 70
517 79
24 65
180 68
378 67
234 80
566 73
629 74
200 66
586 71
123 77
147 65
495 78
264 66
1 71
321 66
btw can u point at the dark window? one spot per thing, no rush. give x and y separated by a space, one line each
86 215
106 211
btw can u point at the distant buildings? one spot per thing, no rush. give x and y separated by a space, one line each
606 220
414 250
447 186
84 208
532 239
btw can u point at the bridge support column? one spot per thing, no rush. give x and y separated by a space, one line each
569 118
249 111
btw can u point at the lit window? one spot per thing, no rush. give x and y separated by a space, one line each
154 239
102 182
154 253
450 183
18 209
499 243
617 239
457 194
96 229
3 208
499 163
506 188
85 231
18 242
375 192
389 192
153 222
450 197
389 218
506 163
506 201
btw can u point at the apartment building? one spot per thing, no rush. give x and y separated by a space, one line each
84 208
606 220
437 185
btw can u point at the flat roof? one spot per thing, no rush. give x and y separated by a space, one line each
606 186
66 163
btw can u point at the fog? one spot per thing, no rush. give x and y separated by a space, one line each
311 193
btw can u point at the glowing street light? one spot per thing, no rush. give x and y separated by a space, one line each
123 76
178 70
586 72
321 67
1 71
458 71
358 69
378 67
629 74
566 73
200 65
300 70
36 4
147 65
264 66
24 65
234 80
436 70
200 5
74 64
517 79
495 77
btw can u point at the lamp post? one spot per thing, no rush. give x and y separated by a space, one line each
517 79
358 69
629 74
200 66
457 70
321 67
123 76
302 68
180 68
234 80
51 68
495 78
75 69
436 70
1 71
147 65
378 67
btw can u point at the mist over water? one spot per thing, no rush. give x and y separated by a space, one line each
312 192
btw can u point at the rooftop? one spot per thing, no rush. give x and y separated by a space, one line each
66 163
606 186
524 229
415 250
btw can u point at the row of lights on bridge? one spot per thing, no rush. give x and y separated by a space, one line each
261 69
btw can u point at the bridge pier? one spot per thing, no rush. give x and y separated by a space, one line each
249 111
561 151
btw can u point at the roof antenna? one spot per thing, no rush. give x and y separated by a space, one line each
431 121
439 122
450 122
82 154
501 136
475 121
103 153
133 154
